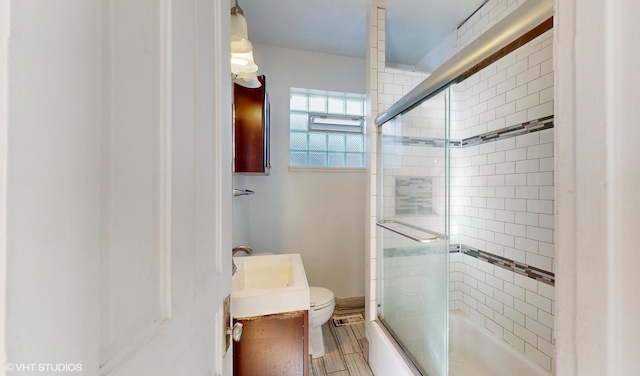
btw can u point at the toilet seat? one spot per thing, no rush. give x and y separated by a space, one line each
320 297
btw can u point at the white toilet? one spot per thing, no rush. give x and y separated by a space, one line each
322 304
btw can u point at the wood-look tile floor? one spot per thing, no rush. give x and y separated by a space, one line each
345 349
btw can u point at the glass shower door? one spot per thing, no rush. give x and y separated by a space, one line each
413 245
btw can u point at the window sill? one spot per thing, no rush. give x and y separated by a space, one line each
357 170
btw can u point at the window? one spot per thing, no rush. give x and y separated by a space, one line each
326 129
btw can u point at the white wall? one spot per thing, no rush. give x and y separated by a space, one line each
317 214
4 125
240 213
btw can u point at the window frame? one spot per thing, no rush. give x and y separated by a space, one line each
346 124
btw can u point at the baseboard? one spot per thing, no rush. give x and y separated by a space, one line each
348 305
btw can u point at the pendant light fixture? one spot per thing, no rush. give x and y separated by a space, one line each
242 64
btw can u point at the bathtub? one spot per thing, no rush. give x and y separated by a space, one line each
473 351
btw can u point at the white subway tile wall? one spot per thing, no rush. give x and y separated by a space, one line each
514 307
506 187
501 192
515 89
375 37
506 208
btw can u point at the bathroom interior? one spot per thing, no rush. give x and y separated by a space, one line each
117 213
446 232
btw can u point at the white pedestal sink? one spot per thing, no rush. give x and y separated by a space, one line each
269 284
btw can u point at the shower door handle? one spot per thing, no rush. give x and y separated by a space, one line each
386 224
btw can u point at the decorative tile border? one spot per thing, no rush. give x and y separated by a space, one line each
505 263
422 250
413 141
512 131
500 134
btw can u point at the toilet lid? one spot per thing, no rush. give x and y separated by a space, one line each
320 296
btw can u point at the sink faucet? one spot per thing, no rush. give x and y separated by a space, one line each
237 249
242 248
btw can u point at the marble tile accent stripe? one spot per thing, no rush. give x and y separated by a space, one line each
500 134
413 141
514 266
421 250
512 131
503 262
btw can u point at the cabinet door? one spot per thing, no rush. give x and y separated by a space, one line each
274 345
251 129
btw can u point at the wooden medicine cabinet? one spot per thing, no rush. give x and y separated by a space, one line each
251 129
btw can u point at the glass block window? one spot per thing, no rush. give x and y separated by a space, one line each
326 129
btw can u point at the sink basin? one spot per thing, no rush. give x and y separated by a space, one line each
269 284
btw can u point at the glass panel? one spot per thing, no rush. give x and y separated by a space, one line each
297 158
317 103
336 142
413 276
336 160
298 122
355 142
298 141
298 102
355 107
318 141
413 285
355 160
336 105
317 159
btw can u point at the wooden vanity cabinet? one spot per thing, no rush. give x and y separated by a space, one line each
251 129
273 345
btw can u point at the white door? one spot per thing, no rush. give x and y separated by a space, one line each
115 186
166 187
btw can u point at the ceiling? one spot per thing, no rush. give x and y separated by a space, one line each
413 27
